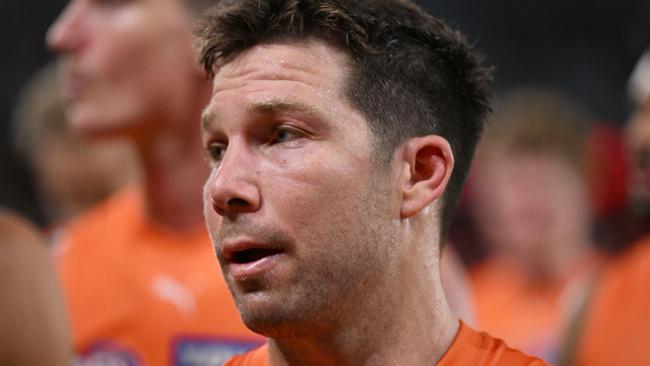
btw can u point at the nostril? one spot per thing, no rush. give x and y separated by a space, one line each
237 202
231 206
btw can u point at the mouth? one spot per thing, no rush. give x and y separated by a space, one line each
72 89
73 84
245 260
253 255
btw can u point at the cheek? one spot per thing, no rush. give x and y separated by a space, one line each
139 57
118 90
315 186
116 50
320 205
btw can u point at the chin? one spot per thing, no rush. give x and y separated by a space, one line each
266 323
280 317
266 317
94 125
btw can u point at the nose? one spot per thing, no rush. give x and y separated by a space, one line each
66 33
232 188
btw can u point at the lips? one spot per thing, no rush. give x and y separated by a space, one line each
73 83
253 255
73 88
247 259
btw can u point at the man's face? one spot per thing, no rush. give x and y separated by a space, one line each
299 212
124 62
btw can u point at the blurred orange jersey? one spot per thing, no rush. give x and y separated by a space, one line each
531 317
617 324
470 348
140 295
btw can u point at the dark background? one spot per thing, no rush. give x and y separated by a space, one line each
585 48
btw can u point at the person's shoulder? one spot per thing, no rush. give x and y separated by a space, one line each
118 206
629 270
635 258
492 351
475 348
103 220
256 357
617 321
625 277
28 282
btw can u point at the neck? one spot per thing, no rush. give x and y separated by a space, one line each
405 322
173 171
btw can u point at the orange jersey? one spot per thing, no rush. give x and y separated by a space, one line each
140 295
469 348
531 317
617 325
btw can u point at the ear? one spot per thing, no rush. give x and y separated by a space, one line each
428 163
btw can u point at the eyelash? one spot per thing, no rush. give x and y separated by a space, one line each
292 133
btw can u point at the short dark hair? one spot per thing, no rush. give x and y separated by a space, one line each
410 74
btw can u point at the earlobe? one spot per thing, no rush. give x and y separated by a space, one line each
429 161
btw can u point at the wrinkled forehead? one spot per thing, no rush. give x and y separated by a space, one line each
308 65
309 54
305 80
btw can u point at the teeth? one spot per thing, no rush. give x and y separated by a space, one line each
252 255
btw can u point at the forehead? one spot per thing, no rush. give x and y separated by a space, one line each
303 73
309 55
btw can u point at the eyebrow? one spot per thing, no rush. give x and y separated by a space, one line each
207 118
283 105
265 107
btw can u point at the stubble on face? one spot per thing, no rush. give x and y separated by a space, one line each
335 272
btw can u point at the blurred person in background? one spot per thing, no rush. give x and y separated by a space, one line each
72 174
32 315
138 271
531 203
615 325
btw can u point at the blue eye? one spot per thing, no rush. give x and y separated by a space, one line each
285 134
